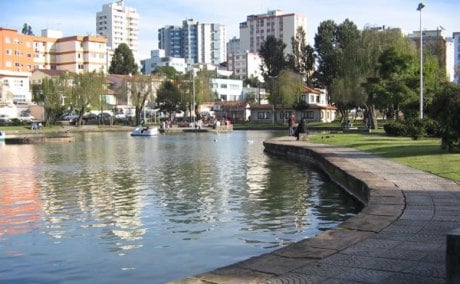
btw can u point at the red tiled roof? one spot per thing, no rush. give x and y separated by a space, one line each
311 90
50 72
290 107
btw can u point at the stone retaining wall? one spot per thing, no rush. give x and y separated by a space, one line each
383 200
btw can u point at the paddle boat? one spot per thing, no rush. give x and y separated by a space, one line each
2 135
144 131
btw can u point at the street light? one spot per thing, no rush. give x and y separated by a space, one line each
419 8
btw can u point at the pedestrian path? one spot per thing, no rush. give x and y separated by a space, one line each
399 237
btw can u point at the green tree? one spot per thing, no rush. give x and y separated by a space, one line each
273 59
123 62
203 91
140 88
327 60
346 86
169 97
86 91
302 59
396 69
445 109
27 29
167 71
49 94
252 81
372 44
289 87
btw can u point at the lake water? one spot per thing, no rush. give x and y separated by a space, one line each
110 208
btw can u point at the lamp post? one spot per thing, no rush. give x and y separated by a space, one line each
419 8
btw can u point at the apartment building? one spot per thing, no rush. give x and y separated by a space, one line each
21 54
257 28
194 41
456 57
170 40
227 89
158 58
245 65
80 53
24 53
435 43
119 24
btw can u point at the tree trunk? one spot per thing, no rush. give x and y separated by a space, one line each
372 117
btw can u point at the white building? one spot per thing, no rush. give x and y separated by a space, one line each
227 89
245 65
158 58
194 41
14 87
119 24
81 54
456 55
450 59
275 23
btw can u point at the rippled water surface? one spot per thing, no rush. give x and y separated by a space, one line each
110 208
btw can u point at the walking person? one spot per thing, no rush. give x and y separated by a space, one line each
291 123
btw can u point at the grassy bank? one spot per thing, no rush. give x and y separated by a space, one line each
425 154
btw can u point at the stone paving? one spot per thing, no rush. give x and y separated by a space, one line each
399 237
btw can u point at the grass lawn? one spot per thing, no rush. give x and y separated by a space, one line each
425 154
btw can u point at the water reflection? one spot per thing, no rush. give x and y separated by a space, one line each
155 208
21 207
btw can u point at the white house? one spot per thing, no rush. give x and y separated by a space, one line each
318 109
227 89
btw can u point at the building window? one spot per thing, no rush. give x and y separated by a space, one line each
263 115
285 115
309 115
7 40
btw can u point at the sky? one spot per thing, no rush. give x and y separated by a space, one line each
78 17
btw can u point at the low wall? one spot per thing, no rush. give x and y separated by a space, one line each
383 200
352 184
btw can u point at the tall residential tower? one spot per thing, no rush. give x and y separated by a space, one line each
275 23
119 24
196 42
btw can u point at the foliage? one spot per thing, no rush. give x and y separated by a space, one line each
338 68
273 59
446 110
289 88
140 88
395 128
86 90
123 62
27 29
302 59
252 81
49 94
203 91
301 105
169 97
415 128
327 61
167 71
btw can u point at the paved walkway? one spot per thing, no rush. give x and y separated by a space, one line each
399 237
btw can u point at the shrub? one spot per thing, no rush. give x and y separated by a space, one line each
432 127
415 128
395 128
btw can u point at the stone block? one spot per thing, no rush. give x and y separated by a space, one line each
453 256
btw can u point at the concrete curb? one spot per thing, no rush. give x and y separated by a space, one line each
400 235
